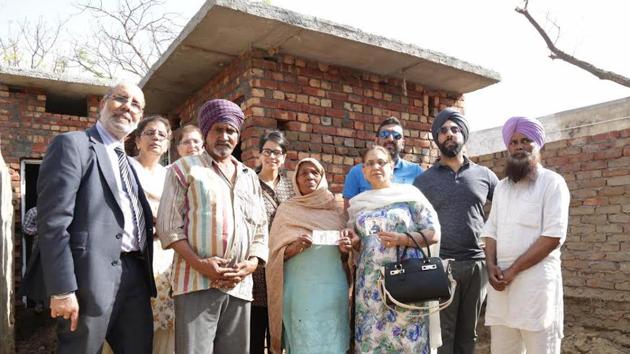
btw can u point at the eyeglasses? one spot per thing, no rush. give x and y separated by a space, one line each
194 142
384 134
453 128
135 105
270 152
373 163
151 132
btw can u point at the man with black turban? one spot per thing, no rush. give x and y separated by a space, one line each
458 190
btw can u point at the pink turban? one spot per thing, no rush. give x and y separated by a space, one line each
219 110
531 128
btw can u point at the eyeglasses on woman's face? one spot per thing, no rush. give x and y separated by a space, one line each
272 152
374 163
191 142
162 135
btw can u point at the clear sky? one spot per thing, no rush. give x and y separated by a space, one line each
485 32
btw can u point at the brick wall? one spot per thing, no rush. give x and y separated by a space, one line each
327 112
25 131
596 254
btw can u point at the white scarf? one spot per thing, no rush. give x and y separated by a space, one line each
379 198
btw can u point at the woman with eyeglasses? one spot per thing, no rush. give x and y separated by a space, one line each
378 220
152 138
276 188
189 141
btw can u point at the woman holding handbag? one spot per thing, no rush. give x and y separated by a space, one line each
382 218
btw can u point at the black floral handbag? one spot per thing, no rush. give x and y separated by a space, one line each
409 281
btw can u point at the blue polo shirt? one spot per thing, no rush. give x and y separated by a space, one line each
405 172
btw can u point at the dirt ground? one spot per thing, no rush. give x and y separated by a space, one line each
35 334
577 339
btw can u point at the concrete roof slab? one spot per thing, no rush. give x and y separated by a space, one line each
64 85
223 29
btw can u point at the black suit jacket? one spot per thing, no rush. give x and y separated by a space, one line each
80 224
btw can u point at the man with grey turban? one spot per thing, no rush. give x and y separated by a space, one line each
215 220
458 190
523 235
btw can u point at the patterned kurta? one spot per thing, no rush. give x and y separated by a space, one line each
284 191
216 217
378 329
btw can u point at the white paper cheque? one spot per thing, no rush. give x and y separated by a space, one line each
326 237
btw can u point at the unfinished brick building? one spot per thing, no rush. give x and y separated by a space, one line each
34 107
325 85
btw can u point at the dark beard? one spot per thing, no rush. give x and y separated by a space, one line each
519 166
450 151
393 150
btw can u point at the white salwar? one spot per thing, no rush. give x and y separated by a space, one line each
521 213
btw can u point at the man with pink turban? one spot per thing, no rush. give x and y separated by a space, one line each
523 235
212 214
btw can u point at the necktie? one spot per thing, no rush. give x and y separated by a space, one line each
136 209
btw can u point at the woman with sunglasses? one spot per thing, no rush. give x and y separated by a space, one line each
380 219
276 189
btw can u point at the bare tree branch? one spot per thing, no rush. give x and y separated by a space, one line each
10 50
132 36
126 36
35 41
556 53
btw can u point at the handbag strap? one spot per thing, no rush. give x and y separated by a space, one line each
430 309
424 255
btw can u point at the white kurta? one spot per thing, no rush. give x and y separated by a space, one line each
521 213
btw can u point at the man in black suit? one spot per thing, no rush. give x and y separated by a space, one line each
95 234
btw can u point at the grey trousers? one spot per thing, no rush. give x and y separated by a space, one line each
458 322
211 321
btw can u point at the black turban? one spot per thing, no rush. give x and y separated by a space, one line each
452 115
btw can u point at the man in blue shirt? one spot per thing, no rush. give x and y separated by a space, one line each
390 136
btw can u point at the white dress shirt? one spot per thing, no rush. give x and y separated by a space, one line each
129 241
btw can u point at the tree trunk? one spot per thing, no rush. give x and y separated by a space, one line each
7 338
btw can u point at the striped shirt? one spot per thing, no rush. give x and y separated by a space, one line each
216 217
